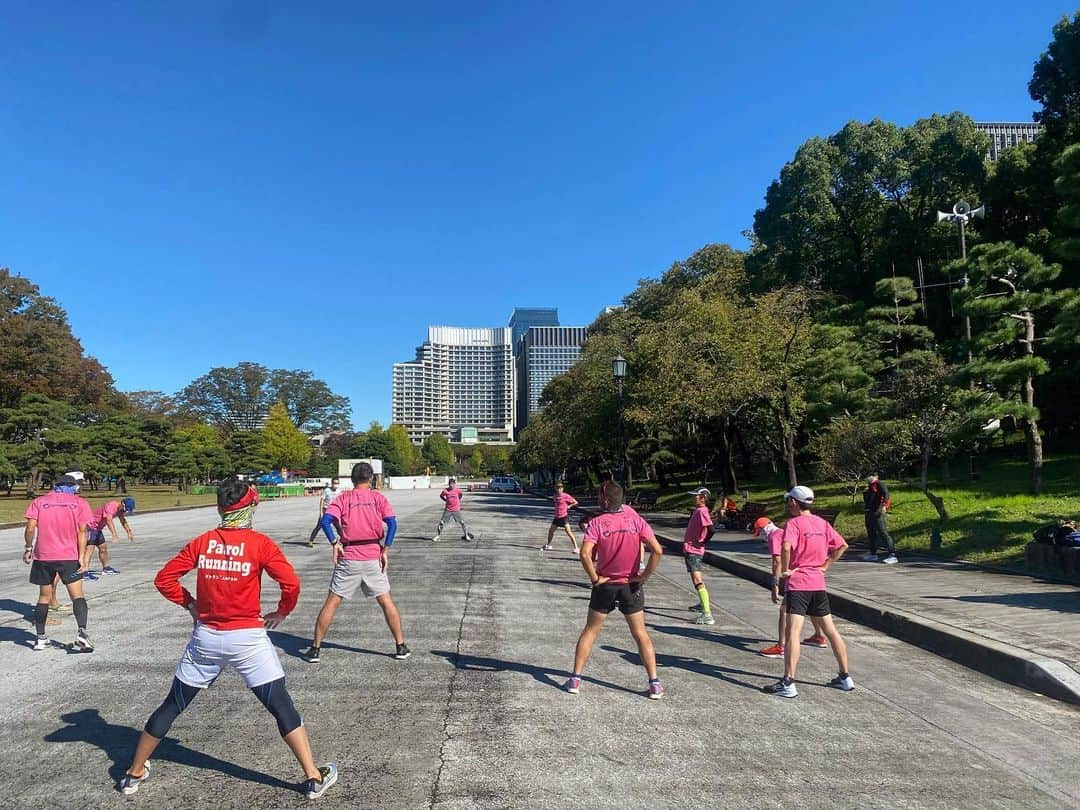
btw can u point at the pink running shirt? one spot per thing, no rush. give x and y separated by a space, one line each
774 538
811 539
59 516
452 498
360 514
696 532
618 537
562 504
106 512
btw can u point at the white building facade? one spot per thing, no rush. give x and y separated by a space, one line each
1005 135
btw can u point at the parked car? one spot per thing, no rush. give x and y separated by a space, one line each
270 479
504 483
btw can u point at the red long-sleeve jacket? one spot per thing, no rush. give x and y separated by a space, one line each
230 563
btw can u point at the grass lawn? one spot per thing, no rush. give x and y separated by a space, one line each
148 496
990 520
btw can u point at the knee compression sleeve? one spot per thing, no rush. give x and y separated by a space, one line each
276 698
78 607
162 719
41 613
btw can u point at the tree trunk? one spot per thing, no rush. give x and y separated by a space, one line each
924 468
1031 425
32 482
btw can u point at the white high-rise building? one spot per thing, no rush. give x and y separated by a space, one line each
1007 134
462 377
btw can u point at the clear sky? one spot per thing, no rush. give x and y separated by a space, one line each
309 185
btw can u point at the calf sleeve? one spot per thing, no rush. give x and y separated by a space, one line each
162 719
703 595
41 613
78 607
276 698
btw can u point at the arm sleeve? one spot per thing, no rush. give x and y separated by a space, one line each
391 530
327 524
281 571
167 580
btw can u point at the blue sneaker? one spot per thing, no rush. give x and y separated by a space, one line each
91 576
108 569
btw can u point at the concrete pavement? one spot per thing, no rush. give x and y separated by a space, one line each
475 719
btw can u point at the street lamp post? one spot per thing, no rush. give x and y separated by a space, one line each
618 373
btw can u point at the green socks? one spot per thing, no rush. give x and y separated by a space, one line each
703 595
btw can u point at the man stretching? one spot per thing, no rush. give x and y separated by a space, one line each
55 538
451 511
697 535
810 546
564 502
614 537
327 498
360 555
230 630
95 536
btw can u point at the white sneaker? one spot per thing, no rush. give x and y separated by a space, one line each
548 547
435 539
844 684
705 618
890 560
82 643
869 557
130 784
40 643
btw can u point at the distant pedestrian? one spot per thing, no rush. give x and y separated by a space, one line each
451 497
361 556
699 532
564 502
613 538
327 498
230 631
55 538
95 538
809 547
876 503
773 535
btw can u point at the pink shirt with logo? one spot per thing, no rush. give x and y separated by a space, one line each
59 516
103 514
360 514
563 501
452 498
774 538
696 532
618 537
811 539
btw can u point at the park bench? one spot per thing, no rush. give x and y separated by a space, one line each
828 514
744 518
645 500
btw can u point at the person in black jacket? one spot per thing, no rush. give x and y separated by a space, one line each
875 504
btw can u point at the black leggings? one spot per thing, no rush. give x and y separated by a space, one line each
274 696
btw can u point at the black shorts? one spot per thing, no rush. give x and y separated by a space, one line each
630 598
95 537
42 572
693 562
808 603
559 522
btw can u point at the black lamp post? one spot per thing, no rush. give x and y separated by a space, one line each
618 372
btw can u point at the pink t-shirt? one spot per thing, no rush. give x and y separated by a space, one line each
696 532
104 513
811 539
774 537
59 516
618 537
562 504
452 498
360 514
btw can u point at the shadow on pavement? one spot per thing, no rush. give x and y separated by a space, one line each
565 583
293 645
1063 602
118 743
697 666
548 677
699 633
24 609
16 635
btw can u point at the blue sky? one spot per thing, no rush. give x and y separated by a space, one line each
311 185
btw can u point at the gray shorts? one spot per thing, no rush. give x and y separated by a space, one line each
364 574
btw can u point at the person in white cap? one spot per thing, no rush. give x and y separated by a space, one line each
809 547
697 535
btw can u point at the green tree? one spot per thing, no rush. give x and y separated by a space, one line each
476 463
438 454
247 451
893 325
851 448
401 457
372 443
39 432
286 446
313 407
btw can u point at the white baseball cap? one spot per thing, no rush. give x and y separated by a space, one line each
700 491
801 494
77 475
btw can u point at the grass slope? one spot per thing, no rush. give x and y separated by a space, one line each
150 496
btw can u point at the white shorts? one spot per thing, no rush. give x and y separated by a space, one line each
364 574
248 651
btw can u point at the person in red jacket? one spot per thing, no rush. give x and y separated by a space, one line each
230 630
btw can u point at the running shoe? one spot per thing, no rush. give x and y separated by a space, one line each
842 682
775 651
548 547
402 652
815 641
468 538
311 544
783 688
573 684
890 560
656 689
40 643
130 784
311 654
108 569
869 556
314 788
82 642
705 618
435 539
91 576
696 606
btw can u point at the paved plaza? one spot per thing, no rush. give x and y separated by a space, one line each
476 718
